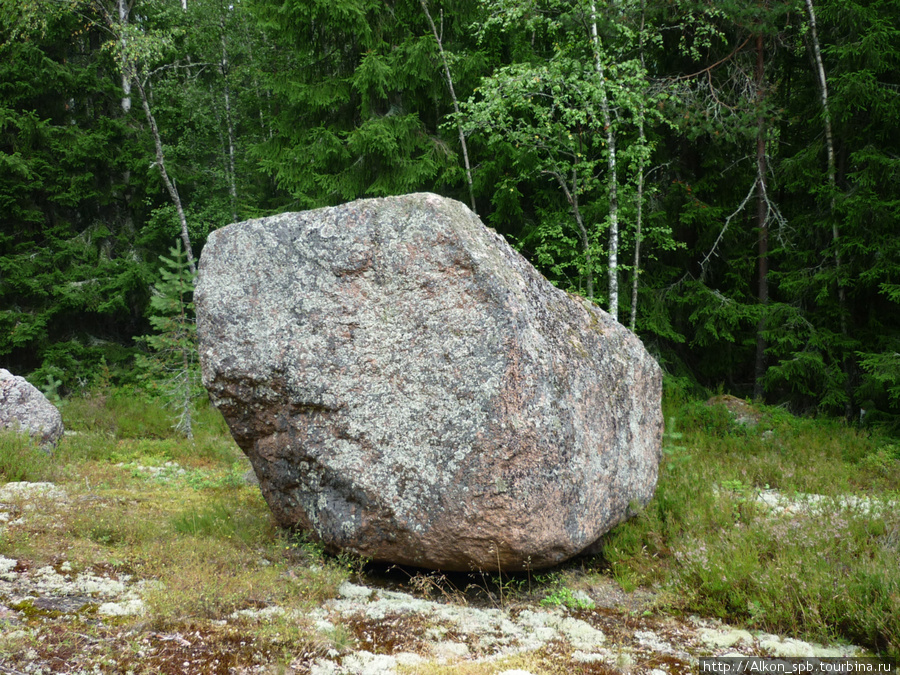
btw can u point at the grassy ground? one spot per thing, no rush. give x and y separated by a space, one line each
146 504
179 513
830 573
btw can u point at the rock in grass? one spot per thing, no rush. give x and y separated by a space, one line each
25 409
742 412
410 388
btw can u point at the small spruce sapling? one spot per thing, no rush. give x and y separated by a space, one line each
172 363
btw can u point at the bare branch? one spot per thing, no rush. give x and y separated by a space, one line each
712 251
708 69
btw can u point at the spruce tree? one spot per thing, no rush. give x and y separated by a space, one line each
173 359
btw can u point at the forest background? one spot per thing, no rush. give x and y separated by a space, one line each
723 176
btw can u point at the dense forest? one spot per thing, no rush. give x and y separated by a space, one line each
723 176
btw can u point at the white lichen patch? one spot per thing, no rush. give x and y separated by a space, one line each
6 565
551 625
128 607
354 591
583 657
112 597
452 633
47 581
489 631
786 647
450 651
364 663
802 503
724 637
29 492
648 639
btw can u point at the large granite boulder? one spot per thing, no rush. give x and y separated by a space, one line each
410 388
24 408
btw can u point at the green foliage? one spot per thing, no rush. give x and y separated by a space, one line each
563 596
364 77
131 413
68 269
263 104
883 368
172 365
21 459
553 112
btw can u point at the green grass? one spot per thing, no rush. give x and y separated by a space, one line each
133 414
162 508
22 459
828 574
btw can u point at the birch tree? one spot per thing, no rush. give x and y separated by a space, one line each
612 179
449 77
564 112
134 49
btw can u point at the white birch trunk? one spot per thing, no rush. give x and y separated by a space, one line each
161 164
832 184
642 140
829 147
637 227
122 7
449 78
611 164
229 124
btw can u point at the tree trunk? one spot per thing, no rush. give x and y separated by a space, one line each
123 9
572 198
613 182
637 227
161 163
185 423
762 217
832 185
449 78
229 123
642 140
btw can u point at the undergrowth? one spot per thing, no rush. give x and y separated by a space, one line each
22 459
827 572
144 501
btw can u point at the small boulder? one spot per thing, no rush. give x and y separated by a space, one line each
742 412
24 408
408 387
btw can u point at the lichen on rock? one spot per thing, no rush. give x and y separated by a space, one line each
409 388
23 408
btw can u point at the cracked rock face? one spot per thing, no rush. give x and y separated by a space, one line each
408 387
